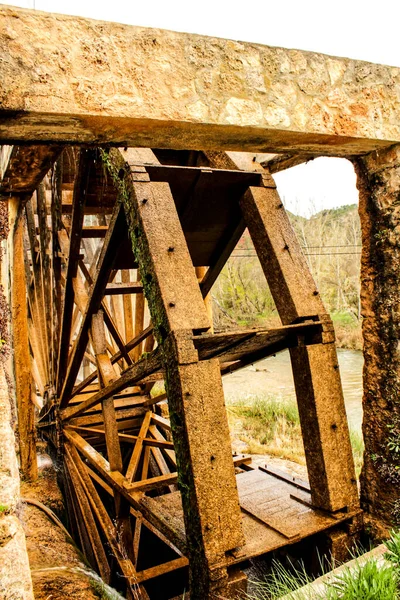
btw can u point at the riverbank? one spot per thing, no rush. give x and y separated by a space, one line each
262 409
348 331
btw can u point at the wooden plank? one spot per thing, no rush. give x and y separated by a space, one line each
290 281
20 332
139 319
127 305
153 572
137 450
281 162
156 443
201 272
46 276
126 566
133 287
152 484
105 265
233 346
94 231
106 375
79 200
90 524
295 481
37 303
134 374
115 358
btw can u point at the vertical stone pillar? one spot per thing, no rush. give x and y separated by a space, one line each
379 187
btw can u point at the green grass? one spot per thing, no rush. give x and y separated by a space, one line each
344 318
393 549
368 581
357 444
268 425
271 425
279 582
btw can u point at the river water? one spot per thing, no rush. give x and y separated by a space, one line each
274 376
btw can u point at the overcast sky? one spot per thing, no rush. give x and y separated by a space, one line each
363 29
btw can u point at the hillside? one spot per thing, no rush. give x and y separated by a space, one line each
331 241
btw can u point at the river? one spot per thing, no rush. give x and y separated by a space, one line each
274 376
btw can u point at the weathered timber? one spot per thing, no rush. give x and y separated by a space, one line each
238 345
194 388
133 287
137 450
23 377
75 236
134 374
105 265
22 168
127 569
89 522
139 318
315 369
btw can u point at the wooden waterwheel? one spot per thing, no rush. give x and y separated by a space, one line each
121 251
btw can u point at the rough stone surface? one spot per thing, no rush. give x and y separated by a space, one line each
15 578
9 476
73 79
379 187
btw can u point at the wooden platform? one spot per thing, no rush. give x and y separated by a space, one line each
276 511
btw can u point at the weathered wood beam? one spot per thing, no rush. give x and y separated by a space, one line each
213 525
138 371
133 287
106 524
22 168
75 237
115 358
105 265
315 369
281 162
21 356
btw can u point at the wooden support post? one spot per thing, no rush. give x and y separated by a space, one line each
100 280
201 273
198 417
107 375
127 303
23 377
315 368
79 201
139 319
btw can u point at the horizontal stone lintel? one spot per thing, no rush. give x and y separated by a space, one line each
74 80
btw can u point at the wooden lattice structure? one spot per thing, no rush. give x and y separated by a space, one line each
121 248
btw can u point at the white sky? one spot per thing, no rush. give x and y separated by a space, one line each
362 29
